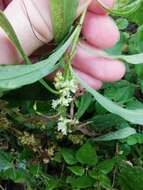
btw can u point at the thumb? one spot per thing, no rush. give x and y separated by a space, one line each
82 5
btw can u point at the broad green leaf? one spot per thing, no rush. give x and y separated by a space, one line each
122 91
124 8
131 178
105 182
77 170
4 23
135 139
63 14
101 178
69 156
120 134
83 182
137 16
102 121
15 76
53 183
17 175
106 166
134 116
87 155
5 161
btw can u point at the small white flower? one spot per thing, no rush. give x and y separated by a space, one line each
73 86
65 101
65 85
59 79
63 124
55 104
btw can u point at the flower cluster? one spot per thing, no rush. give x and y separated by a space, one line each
66 89
65 123
28 139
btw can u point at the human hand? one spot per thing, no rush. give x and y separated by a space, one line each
4 3
99 30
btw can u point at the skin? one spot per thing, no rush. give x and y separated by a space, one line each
92 69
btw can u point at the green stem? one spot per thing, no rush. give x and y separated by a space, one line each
48 87
1 188
76 39
42 81
71 54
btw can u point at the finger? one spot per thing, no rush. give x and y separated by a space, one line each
4 4
100 31
1 5
83 4
97 8
103 69
7 51
92 82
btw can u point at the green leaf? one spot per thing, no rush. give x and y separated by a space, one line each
5 161
4 23
134 116
35 169
121 91
137 16
120 134
122 23
69 156
106 166
87 155
83 182
106 121
15 76
53 183
83 105
63 14
131 178
17 176
105 181
101 178
135 139
77 170
94 174
133 59
125 8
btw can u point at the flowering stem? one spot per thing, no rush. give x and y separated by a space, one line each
70 56
66 84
